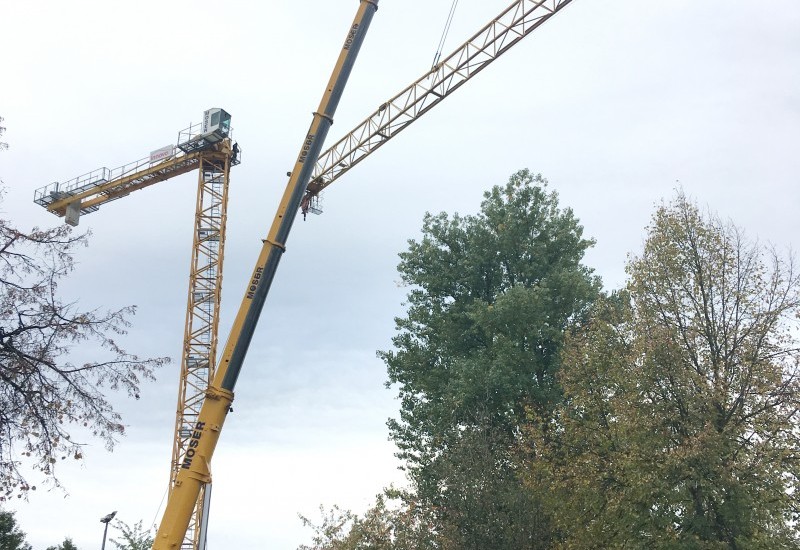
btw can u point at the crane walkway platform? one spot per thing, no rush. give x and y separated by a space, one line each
86 193
104 185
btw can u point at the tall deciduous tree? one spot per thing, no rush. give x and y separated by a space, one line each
11 538
490 297
46 398
681 426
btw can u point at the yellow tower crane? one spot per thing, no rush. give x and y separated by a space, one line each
208 148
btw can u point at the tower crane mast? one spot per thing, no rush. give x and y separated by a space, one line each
208 148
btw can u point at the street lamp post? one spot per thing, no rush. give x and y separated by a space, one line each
106 519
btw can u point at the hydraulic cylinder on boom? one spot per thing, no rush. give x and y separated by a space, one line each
195 469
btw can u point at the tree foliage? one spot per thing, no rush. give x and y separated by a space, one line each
3 145
66 545
134 537
679 427
390 524
46 397
663 416
490 297
11 538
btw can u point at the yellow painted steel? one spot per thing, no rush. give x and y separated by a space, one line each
514 23
199 348
120 187
202 313
195 469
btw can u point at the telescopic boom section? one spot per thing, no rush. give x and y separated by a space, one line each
513 24
195 467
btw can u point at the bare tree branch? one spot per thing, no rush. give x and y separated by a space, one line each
46 398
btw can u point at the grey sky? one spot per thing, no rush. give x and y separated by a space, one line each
614 101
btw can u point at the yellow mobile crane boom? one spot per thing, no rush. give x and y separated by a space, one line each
507 29
208 148
195 469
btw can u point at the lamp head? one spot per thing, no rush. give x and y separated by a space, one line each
109 517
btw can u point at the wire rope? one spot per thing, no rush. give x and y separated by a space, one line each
445 32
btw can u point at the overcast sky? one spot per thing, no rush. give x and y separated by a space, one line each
616 102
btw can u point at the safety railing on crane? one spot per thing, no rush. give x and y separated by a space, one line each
190 140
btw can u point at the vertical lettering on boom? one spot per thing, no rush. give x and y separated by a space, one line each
251 290
194 441
350 37
306 148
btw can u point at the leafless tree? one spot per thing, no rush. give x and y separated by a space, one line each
46 399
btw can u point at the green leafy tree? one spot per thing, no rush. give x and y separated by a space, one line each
680 427
332 531
11 538
134 537
66 545
490 298
390 524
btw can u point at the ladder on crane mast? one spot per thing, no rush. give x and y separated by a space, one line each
207 147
